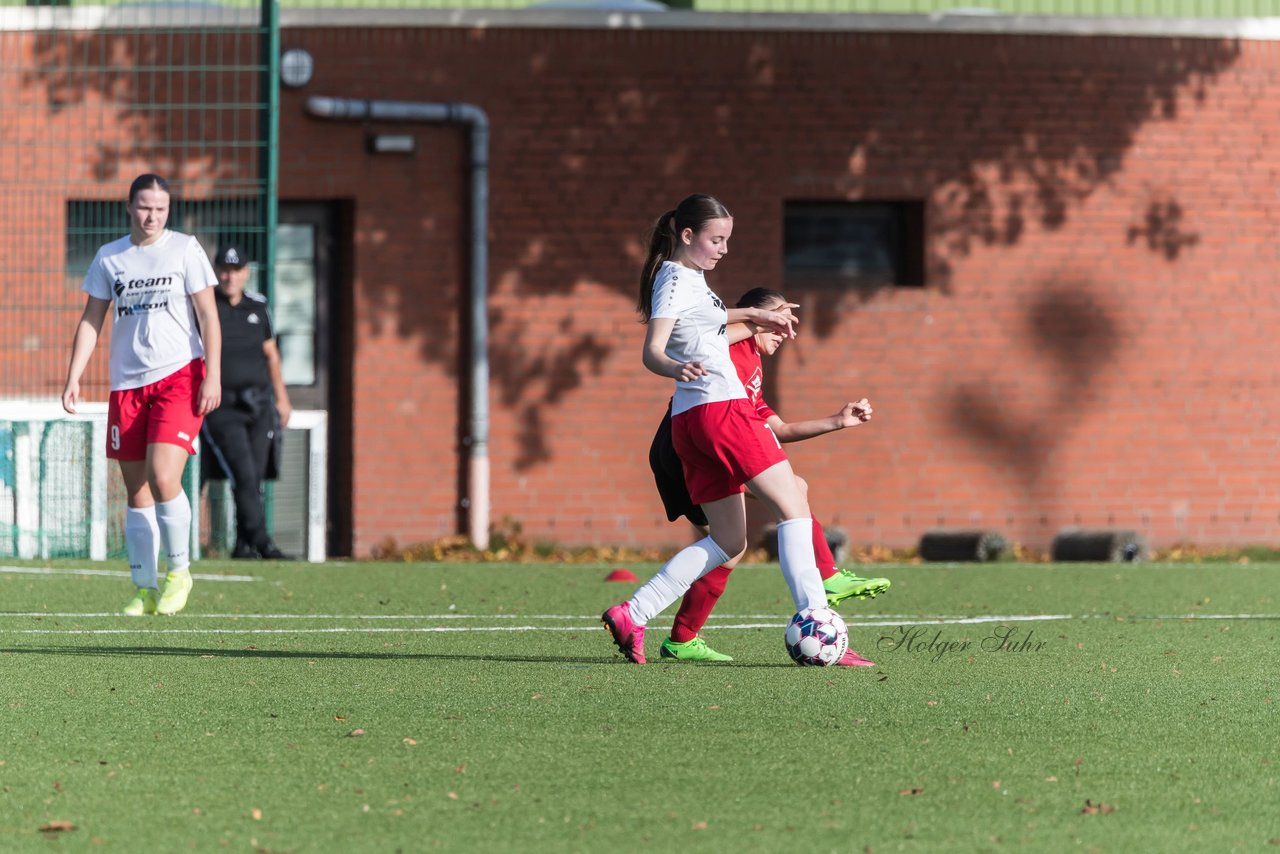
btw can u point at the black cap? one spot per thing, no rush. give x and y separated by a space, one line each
230 255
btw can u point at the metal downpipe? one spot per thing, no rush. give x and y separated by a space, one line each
465 114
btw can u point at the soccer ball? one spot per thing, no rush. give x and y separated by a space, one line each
817 637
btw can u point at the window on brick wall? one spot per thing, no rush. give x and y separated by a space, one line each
863 245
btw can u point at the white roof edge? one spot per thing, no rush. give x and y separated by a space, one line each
46 18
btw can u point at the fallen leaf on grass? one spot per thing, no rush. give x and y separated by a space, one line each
339 717
1090 808
462 769
995 784
917 790
355 733
56 827
410 742
453 796
256 813
699 825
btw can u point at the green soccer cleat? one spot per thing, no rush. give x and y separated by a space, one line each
694 650
177 586
847 585
143 602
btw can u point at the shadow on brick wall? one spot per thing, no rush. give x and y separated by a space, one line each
1073 334
995 134
1000 138
181 102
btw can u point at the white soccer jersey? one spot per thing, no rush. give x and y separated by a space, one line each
154 331
699 335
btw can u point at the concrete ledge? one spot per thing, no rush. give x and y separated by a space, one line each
48 19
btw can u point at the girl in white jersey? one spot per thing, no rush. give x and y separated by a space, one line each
165 364
723 443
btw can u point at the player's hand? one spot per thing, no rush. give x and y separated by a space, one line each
853 414
71 396
783 322
210 396
286 410
690 371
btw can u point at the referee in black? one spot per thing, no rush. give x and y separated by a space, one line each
240 433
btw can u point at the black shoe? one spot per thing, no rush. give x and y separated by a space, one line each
272 552
244 551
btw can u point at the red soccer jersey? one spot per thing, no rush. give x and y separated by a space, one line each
746 358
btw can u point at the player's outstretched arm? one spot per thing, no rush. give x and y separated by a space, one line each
781 321
850 415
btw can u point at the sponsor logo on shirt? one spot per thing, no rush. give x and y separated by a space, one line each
755 385
121 287
140 308
253 318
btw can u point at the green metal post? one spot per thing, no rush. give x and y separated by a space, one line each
270 174
271 147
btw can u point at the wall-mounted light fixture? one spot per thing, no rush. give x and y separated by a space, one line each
392 143
296 67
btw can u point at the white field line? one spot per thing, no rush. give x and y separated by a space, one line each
142 630
112 573
880 619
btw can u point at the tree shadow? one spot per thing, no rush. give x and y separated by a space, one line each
1076 334
992 134
990 160
149 83
1161 230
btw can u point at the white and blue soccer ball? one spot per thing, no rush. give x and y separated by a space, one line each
817 637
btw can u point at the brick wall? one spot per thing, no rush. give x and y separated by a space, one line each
1094 345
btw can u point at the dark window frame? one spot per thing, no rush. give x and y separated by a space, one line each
865 244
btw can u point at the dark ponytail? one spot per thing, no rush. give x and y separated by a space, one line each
692 212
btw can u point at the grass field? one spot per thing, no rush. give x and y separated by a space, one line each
402 707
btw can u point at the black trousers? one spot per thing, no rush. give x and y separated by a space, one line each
238 441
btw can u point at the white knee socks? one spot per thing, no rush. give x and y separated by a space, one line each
142 544
674 579
174 517
799 568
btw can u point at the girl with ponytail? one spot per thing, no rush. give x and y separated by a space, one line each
723 443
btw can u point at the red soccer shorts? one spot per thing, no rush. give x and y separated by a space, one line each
164 411
723 445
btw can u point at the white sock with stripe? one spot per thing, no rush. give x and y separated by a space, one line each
799 567
675 578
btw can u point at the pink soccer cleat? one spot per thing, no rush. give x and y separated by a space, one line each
626 634
852 659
